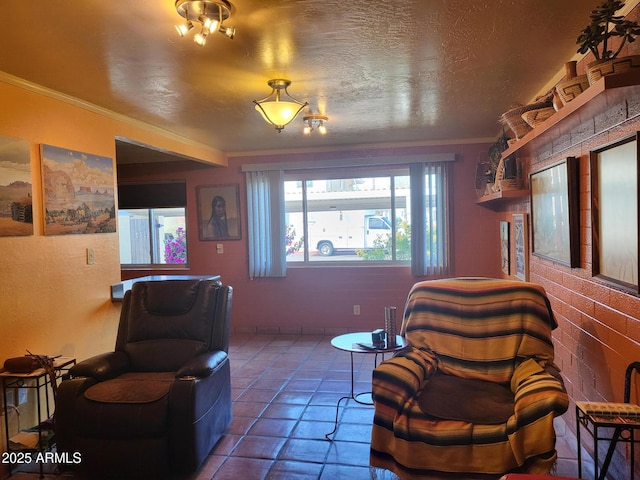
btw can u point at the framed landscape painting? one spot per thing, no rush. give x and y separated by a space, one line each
16 214
554 213
78 192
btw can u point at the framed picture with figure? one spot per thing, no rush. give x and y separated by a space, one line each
219 212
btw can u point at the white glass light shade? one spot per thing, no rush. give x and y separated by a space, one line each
276 111
279 113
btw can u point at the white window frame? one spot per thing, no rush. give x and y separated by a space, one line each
155 242
265 205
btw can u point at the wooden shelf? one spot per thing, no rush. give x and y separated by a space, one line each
607 91
501 195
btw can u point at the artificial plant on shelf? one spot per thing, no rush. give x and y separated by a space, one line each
605 25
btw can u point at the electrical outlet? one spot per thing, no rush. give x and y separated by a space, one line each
91 259
356 309
220 248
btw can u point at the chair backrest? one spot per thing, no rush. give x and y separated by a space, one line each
480 328
163 324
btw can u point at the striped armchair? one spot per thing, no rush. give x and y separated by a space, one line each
476 390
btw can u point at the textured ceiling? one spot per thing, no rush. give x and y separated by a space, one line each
384 72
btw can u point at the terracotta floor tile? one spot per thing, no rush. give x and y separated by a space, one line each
353 432
284 410
241 425
292 470
235 468
349 453
258 396
272 427
305 450
326 413
259 447
299 398
333 472
312 429
248 409
303 385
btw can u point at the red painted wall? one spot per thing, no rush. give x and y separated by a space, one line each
321 299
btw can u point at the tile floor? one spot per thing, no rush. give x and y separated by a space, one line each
285 389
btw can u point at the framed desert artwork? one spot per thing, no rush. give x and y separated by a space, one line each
78 192
554 213
219 212
614 212
16 214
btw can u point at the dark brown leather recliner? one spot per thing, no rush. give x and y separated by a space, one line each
158 404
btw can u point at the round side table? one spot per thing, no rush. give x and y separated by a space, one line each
360 342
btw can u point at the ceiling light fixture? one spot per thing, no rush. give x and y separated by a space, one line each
210 14
276 111
312 119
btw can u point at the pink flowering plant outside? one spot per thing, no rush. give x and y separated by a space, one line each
175 247
293 245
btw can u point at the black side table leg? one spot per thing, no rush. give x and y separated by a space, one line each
335 424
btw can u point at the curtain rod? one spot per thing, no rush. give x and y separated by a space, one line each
351 162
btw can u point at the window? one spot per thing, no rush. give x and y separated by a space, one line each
152 224
351 219
152 236
384 214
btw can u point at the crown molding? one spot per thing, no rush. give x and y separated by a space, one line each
76 102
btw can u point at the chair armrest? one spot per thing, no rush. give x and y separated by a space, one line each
203 365
102 367
398 380
538 390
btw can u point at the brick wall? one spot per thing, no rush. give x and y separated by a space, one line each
599 324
